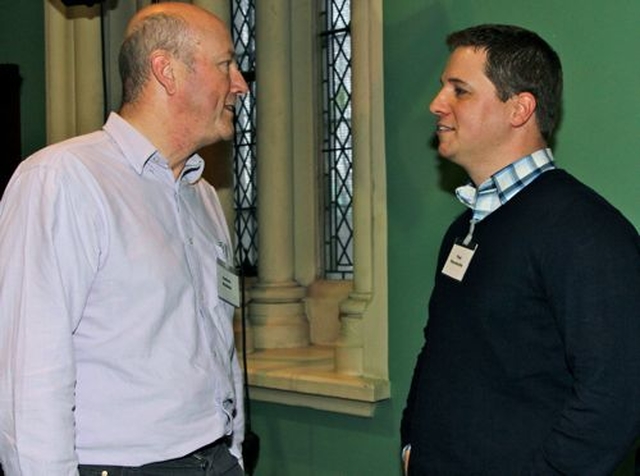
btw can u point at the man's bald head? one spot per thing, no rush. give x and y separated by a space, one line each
171 27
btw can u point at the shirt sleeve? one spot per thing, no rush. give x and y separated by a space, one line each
239 418
236 370
593 283
47 250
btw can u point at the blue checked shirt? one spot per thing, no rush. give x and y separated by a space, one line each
504 184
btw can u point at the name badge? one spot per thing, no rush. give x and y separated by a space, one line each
458 261
228 285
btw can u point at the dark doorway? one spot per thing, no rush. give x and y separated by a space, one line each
9 123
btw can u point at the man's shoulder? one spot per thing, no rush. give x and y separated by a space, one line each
560 205
71 168
67 153
558 189
557 182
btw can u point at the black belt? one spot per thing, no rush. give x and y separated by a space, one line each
200 453
225 440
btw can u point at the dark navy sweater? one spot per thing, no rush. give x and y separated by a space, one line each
531 364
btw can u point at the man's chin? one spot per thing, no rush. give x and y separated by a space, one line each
224 134
227 130
444 152
227 136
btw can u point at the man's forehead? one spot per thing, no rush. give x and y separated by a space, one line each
464 63
468 55
218 48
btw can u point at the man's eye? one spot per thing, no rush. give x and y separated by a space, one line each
459 91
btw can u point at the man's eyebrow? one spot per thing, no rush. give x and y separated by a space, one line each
228 55
454 81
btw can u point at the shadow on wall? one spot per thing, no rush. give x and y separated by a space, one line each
451 175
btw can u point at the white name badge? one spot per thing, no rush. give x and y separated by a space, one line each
458 261
228 285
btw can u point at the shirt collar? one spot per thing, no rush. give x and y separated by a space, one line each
138 150
193 169
504 184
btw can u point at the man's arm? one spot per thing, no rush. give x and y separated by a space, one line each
594 287
239 419
236 372
44 278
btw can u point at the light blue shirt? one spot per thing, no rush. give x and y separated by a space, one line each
114 346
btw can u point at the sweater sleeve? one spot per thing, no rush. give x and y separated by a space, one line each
592 276
408 412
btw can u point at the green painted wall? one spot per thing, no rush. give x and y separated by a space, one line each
22 43
599 141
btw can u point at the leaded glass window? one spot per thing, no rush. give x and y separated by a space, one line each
245 180
337 139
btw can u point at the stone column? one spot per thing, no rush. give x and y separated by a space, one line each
350 345
73 72
277 309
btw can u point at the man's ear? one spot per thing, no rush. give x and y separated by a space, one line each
162 70
524 107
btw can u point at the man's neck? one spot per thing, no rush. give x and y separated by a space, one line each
174 149
481 170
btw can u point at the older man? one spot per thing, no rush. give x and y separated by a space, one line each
116 347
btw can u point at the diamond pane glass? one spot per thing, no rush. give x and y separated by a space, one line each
245 180
337 139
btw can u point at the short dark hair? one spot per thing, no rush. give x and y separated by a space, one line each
159 31
518 60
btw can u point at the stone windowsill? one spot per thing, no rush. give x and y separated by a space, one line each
306 377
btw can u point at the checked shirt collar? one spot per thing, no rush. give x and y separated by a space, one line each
504 184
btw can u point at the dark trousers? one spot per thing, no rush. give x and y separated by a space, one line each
212 460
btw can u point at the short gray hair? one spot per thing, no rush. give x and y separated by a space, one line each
160 31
